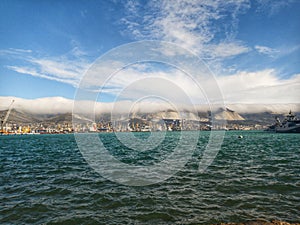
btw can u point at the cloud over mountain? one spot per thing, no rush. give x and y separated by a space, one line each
253 57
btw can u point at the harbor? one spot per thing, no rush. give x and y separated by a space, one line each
43 175
16 122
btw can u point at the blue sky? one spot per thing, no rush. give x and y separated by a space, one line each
46 46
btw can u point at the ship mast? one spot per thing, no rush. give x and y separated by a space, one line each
3 122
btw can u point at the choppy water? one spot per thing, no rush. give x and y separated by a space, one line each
45 179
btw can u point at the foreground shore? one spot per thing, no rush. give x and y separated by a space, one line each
275 222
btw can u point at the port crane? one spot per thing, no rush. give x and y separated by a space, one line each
3 122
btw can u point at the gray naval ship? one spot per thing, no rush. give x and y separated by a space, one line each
291 124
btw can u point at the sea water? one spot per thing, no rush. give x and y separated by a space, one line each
44 179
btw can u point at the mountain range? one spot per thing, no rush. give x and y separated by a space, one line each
263 118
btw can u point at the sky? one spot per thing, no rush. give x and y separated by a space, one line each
252 47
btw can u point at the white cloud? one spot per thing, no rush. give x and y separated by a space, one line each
243 87
260 87
65 69
225 49
39 105
140 80
271 52
286 50
272 7
58 105
68 68
15 51
191 24
21 50
34 72
207 28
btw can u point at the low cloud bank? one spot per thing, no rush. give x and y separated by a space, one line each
59 105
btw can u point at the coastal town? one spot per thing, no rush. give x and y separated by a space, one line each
14 121
22 123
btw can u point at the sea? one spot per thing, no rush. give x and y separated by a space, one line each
255 175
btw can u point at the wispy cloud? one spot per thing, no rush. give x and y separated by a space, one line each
260 87
227 49
15 51
263 86
271 52
21 50
272 7
208 28
191 24
64 68
286 50
35 72
253 92
67 68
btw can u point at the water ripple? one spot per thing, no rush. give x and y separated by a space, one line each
45 180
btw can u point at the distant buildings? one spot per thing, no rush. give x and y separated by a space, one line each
163 121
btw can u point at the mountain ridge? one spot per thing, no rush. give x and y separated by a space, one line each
23 117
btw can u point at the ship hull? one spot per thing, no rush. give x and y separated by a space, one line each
288 130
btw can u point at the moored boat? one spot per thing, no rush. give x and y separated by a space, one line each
291 124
